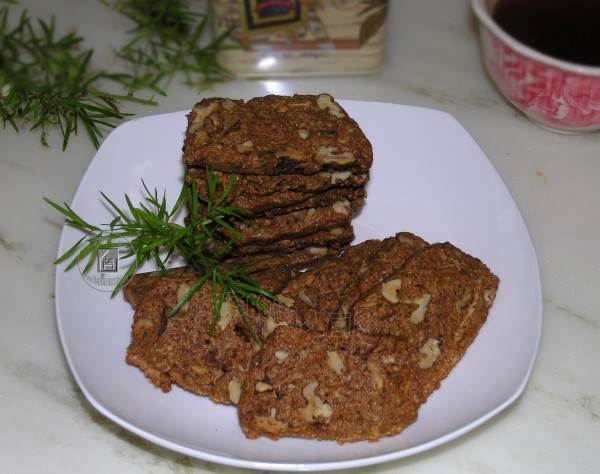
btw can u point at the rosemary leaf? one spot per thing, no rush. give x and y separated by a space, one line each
149 232
166 40
47 82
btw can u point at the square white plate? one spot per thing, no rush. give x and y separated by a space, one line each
428 177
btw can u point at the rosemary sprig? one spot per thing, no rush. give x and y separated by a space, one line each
149 231
166 40
46 81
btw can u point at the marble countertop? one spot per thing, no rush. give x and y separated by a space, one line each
432 61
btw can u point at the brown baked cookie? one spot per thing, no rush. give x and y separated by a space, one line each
438 300
315 293
336 238
268 194
392 254
294 225
272 135
180 349
295 259
323 294
342 386
142 283
271 279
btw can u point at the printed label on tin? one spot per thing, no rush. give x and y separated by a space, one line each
260 16
302 36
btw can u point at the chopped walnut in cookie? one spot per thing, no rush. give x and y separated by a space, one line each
418 314
335 362
315 407
325 102
389 290
270 423
430 352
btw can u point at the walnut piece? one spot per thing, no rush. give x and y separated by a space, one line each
389 290
342 206
245 147
288 302
335 362
291 153
226 314
327 154
488 296
337 176
375 370
229 104
315 406
263 387
430 352
235 390
281 356
142 324
201 114
305 299
465 299
181 292
403 239
270 423
418 314
272 324
318 251
325 101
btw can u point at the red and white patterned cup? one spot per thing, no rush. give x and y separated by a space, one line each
555 94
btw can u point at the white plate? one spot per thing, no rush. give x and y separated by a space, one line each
428 177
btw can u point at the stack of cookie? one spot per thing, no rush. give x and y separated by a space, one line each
300 166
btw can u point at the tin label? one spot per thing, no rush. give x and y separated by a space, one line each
275 37
261 16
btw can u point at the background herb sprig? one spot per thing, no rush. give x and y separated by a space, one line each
149 232
168 38
46 81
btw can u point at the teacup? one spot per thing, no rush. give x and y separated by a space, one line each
556 94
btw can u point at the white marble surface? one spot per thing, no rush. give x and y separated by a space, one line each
433 61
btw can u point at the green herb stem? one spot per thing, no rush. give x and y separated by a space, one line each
152 234
166 39
47 82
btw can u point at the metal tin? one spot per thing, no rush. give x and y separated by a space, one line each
303 37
